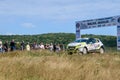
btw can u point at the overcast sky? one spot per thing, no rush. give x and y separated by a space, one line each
53 16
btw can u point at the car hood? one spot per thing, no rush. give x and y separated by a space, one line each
74 44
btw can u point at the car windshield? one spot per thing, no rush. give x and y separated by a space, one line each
80 40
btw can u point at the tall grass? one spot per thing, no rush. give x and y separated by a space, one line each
46 65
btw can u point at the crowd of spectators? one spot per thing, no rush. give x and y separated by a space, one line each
12 46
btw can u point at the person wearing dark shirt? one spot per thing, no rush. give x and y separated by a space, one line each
12 45
54 48
22 45
5 46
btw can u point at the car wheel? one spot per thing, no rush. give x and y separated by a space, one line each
78 52
84 51
102 50
70 53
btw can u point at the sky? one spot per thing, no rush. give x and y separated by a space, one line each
27 17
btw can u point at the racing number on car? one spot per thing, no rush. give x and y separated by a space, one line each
93 46
97 45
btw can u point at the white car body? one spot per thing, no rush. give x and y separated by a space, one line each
85 45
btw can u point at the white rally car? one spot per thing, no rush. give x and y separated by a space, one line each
85 45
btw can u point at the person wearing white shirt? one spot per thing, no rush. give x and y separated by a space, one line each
42 46
28 47
0 46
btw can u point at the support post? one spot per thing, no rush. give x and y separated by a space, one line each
78 35
118 37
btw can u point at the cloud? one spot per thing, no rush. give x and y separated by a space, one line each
28 25
59 10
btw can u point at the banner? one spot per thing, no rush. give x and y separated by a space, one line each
96 23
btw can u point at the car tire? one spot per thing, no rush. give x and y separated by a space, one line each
78 52
70 53
102 50
84 51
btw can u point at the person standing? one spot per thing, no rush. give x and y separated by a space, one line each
34 45
62 47
51 47
1 46
12 45
28 47
5 46
22 45
58 48
54 47
42 46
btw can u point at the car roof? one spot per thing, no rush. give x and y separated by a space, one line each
88 38
82 38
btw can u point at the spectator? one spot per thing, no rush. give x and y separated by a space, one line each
42 46
1 46
54 47
5 46
62 47
28 47
22 45
46 46
39 46
12 45
51 47
58 48
34 45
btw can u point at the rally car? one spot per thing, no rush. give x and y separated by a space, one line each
85 45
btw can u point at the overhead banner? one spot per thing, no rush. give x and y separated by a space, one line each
96 23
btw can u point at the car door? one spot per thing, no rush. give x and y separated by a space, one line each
91 44
97 44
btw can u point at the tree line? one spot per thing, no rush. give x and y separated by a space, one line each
61 38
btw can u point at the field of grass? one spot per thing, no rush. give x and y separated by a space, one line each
46 65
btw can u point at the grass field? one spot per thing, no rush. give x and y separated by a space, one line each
46 65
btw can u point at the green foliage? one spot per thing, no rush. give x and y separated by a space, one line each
61 38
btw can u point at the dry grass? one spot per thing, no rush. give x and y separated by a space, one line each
45 65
